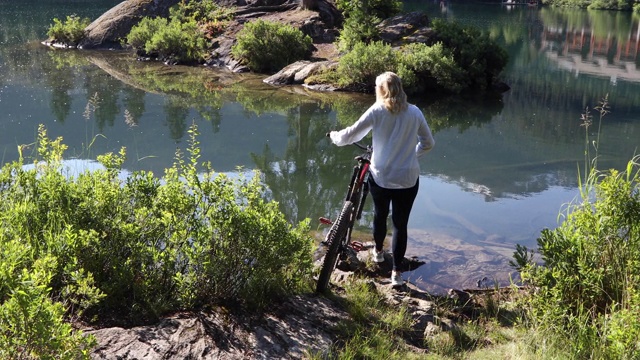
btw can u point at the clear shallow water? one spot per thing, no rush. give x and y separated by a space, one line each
501 170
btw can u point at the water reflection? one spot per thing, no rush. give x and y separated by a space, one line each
605 45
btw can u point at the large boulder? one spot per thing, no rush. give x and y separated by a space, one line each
112 26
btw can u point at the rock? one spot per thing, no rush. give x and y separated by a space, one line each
299 324
401 27
112 26
296 73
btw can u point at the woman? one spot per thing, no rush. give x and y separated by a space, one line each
400 136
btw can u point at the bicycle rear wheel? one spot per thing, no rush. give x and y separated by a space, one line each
336 239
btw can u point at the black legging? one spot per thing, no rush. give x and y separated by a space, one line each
401 201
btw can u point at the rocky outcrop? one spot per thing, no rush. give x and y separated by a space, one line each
114 25
292 329
299 324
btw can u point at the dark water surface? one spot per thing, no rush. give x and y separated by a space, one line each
501 170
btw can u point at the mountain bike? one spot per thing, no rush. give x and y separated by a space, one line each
338 239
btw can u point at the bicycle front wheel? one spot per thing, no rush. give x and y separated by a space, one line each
336 239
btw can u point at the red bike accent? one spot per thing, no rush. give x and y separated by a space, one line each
357 246
325 221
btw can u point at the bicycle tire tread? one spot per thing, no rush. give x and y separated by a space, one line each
336 234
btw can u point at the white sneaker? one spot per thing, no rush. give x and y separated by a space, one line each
377 256
396 278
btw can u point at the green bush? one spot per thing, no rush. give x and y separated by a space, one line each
266 46
143 32
421 67
359 68
69 32
473 51
138 247
173 41
361 19
424 68
587 286
381 9
200 11
32 325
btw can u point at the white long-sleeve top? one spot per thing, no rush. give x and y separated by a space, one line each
398 140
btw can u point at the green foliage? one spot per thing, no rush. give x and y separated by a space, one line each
140 246
70 32
173 40
31 324
460 59
210 17
361 19
381 9
266 46
202 11
143 32
586 300
360 66
182 37
423 68
591 267
624 5
473 51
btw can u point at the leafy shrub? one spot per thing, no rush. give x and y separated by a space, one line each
32 324
143 32
381 9
70 32
182 37
200 11
168 40
361 18
138 247
359 26
424 67
623 5
266 46
473 51
359 67
210 17
420 66
587 286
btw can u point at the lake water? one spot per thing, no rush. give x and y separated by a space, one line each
501 170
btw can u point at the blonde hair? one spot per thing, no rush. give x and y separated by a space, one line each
390 93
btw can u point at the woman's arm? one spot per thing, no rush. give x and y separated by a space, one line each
426 141
355 132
